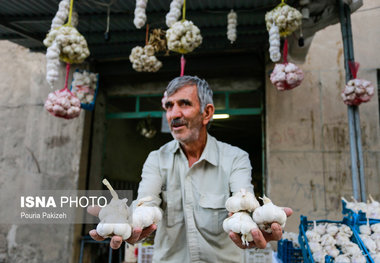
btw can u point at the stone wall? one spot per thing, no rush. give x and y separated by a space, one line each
308 151
38 152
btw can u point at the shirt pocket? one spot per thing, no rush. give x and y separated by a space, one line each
212 212
173 209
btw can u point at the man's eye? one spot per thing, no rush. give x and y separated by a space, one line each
168 105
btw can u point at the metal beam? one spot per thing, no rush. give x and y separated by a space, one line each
19 31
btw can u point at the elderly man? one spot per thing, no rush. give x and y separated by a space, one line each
193 176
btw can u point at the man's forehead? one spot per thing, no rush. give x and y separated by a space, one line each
186 90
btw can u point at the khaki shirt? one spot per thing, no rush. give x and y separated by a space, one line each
193 200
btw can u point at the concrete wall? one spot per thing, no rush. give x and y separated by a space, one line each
307 131
37 151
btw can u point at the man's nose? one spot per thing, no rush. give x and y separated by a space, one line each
175 112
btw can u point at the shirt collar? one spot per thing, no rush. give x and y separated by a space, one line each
209 154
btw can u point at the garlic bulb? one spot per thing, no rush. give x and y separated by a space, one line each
320 228
240 223
332 251
291 236
351 249
358 258
343 259
287 18
62 103
315 246
267 214
231 26
145 215
140 15
113 217
274 44
313 236
342 239
319 256
286 76
365 229
375 228
346 230
174 12
376 258
61 15
357 91
241 201
332 229
183 37
84 86
369 243
143 59
327 240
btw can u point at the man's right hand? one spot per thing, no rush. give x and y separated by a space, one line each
116 241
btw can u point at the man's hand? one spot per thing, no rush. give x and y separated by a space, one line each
261 238
116 241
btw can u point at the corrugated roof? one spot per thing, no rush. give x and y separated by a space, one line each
26 22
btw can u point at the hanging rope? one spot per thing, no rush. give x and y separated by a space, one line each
285 51
184 10
67 77
147 35
71 12
183 62
354 67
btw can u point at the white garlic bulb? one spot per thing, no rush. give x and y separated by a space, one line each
365 229
376 258
145 215
174 12
315 246
231 26
287 18
319 256
375 228
61 15
143 59
114 217
332 229
369 243
351 249
240 223
267 214
140 15
286 76
358 258
327 240
241 201
313 236
344 229
332 251
320 228
183 37
342 239
274 44
291 236
343 259
356 92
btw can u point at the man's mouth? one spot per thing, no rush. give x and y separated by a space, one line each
176 123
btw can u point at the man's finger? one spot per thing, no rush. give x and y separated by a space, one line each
276 232
136 232
258 238
236 239
93 210
147 231
288 211
116 242
95 235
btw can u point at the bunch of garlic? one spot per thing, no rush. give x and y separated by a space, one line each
140 15
174 12
370 235
52 64
183 37
143 59
114 217
62 103
61 15
357 91
293 237
242 201
231 26
371 208
287 18
240 223
145 215
267 214
84 86
325 239
286 76
274 44
158 40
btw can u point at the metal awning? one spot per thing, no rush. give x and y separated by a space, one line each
26 23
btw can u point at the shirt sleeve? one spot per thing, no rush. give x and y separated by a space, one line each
151 180
241 173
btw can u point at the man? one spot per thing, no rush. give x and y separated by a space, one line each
193 176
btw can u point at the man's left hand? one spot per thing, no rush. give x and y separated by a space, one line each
261 238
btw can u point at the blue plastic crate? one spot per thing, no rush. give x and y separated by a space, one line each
306 252
287 252
89 106
357 218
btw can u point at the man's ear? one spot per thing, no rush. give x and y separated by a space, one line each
208 113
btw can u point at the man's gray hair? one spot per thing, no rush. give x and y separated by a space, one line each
204 91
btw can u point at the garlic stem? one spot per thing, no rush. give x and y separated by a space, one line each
113 192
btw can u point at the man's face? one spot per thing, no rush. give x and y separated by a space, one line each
183 114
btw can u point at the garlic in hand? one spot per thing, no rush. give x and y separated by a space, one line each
114 217
240 223
267 214
145 215
241 201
